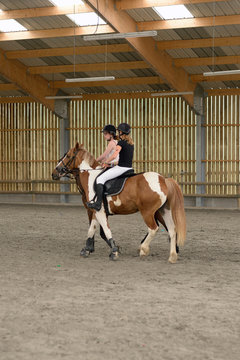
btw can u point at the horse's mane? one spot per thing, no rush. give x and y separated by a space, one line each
88 157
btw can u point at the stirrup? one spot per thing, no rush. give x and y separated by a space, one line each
94 205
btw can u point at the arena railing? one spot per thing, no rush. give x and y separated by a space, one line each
33 189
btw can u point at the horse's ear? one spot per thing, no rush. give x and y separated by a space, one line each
78 146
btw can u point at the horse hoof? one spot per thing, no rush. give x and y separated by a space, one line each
144 252
114 256
85 252
173 258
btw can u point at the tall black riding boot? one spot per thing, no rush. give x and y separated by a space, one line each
98 203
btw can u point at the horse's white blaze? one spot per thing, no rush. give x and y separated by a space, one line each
153 182
102 219
61 161
92 228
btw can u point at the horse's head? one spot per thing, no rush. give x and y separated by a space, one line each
69 162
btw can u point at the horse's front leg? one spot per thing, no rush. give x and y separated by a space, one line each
103 221
89 247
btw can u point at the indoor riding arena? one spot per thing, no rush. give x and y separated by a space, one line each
69 288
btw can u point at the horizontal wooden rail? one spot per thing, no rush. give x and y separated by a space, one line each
233 196
43 129
27 161
31 192
37 192
220 125
207 183
137 127
162 161
37 182
135 161
221 160
72 182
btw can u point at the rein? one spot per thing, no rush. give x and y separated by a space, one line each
75 171
89 169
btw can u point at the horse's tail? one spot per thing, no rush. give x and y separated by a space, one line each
176 202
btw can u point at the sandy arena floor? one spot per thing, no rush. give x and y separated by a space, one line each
56 305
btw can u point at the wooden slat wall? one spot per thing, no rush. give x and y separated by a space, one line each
164 132
29 145
223 143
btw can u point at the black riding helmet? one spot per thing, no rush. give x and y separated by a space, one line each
124 128
110 129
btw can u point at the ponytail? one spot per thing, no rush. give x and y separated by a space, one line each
127 138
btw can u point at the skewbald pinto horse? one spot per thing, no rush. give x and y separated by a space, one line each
157 198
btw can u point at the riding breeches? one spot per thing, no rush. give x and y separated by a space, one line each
112 173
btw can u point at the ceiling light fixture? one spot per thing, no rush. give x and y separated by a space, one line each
172 93
120 35
63 97
219 73
90 79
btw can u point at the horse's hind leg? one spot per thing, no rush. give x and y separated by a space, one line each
152 229
159 217
167 216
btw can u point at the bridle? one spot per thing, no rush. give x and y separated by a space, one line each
74 173
65 168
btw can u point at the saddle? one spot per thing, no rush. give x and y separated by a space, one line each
115 186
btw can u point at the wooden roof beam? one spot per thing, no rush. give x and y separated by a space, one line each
15 99
102 96
53 33
198 43
101 49
161 62
217 60
147 80
201 78
18 74
232 91
140 4
189 23
7 87
88 67
125 95
68 51
43 11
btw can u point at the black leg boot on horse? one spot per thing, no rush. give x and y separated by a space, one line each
98 203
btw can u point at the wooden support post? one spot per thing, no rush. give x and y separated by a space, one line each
200 143
238 192
62 110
